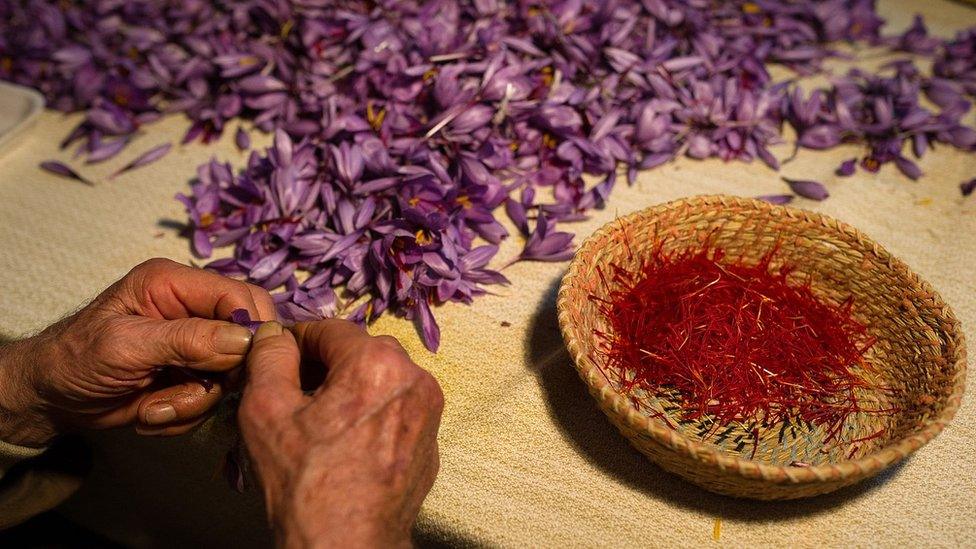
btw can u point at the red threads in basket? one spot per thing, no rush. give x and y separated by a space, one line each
732 342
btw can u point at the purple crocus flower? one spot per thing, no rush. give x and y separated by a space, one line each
916 39
544 244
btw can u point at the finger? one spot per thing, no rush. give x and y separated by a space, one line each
177 405
336 343
273 384
165 289
263 302
201 344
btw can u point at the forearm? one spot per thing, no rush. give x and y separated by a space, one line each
23 416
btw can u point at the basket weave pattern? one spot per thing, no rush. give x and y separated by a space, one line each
919 352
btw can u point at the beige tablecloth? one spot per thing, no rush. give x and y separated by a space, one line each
527 459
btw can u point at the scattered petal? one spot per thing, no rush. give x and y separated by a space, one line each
145 158
242 139
846 167
778 199
967 187
62 169
807 189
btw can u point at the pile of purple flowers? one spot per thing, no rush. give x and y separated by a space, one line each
884 114
401 128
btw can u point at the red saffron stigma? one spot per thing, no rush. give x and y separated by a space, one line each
724 342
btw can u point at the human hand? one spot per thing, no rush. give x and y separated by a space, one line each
102 366
351 463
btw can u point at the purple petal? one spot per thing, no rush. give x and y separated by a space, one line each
846 167
472 119
682 63
260 84
967 187
147 157
907 167
820 137
62 169
106 150
478 257
430 331
962 137
268 264
242 139
242 317
201 244
516 212
778 199
807 189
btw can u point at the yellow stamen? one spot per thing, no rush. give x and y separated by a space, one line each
430 74
286 28
547 77
422 238
369 311
133 53
717 530
375 118
464 201
414 201
206 219
248 61
378 123
514 146
750 7
548 141
532 12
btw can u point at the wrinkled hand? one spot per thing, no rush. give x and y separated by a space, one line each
102 366
351 463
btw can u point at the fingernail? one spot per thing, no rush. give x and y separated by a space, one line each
233 339
160 412
269 329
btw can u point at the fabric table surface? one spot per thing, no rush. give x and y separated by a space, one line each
526 457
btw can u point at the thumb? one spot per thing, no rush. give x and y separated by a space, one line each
198 343
273 384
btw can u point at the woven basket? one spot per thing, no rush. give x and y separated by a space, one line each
920 350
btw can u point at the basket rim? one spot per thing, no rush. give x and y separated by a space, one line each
707 455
